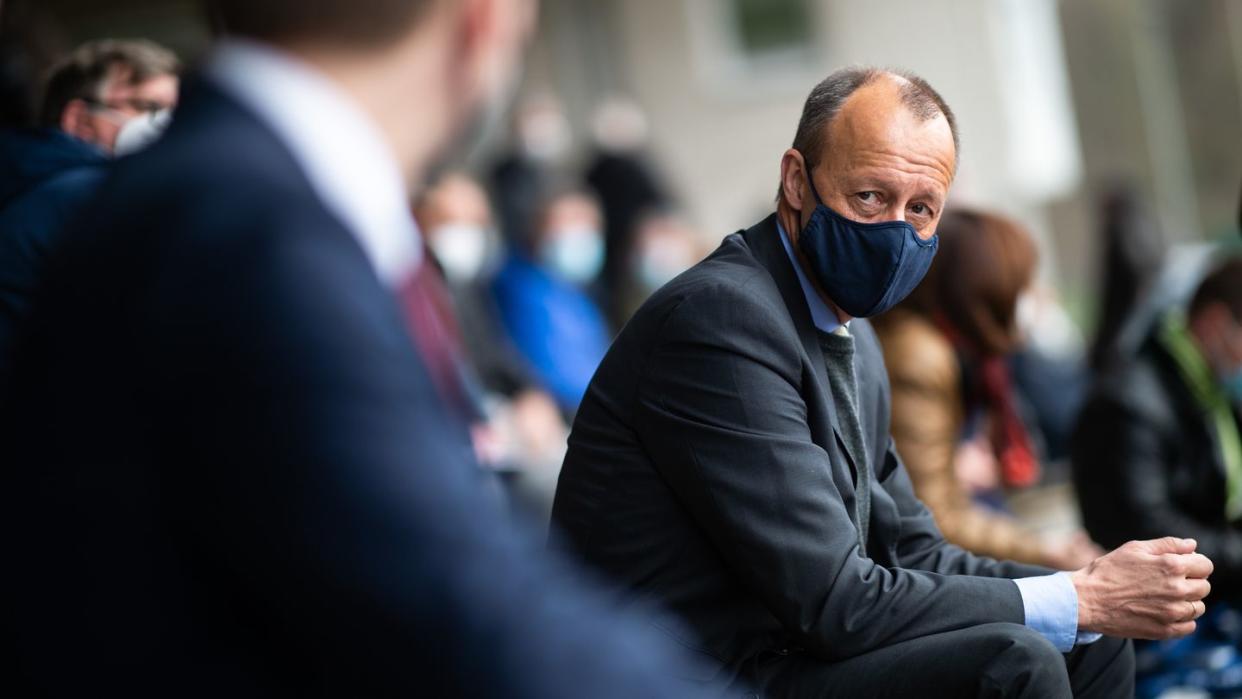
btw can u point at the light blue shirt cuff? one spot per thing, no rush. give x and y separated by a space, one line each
1051 606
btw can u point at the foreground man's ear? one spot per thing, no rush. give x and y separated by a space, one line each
793 178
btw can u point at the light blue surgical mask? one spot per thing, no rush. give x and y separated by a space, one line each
574 254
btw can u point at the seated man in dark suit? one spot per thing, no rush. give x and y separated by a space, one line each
227 472
1158 448
732 458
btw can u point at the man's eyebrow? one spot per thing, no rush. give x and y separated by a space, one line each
865 177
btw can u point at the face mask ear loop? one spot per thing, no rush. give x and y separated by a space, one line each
811 180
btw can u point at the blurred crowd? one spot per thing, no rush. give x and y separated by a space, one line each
544 259
1027 438
543 256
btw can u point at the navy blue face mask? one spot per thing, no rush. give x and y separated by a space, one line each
865 268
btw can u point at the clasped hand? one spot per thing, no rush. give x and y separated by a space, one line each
1144 589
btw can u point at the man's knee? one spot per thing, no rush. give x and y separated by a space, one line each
1020 662
1103 668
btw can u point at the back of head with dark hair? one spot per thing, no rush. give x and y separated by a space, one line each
365 23
984 263
83 73
827 98
1223 285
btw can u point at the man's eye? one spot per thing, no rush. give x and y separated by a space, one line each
920 209
867 197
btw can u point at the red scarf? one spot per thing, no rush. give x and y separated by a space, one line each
1011 443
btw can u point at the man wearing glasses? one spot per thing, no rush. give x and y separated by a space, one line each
103 95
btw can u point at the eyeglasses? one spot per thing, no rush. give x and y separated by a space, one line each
132 104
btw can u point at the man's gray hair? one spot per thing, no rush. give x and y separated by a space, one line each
827 98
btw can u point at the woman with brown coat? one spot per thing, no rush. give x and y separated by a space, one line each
954 417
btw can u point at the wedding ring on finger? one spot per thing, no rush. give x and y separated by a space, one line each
1194 611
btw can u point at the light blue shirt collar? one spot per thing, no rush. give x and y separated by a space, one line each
821 315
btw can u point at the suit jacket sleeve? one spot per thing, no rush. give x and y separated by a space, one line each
343 504
720 412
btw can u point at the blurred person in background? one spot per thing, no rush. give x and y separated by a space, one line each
545 295
522 434
1050 373
1158 449
1158 445
629 190
48 173
664 246
455 216
1133 252
955 414
732 458
230 466
95 91
539 143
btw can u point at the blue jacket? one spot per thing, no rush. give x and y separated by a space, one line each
45 177
555 325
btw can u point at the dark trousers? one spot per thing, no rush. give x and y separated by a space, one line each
992 660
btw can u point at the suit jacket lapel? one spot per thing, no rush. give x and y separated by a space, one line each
764 242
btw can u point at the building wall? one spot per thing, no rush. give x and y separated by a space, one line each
720 124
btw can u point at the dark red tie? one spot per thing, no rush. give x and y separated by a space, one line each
429 316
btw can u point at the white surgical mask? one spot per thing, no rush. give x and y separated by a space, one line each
461 249
575 254
140 131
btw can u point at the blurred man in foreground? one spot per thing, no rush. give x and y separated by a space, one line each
1158 446
732 457
228 472
47 174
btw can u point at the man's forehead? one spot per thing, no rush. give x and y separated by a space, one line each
875 119
122 76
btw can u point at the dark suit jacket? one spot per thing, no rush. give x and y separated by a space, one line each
225 473
705 472
1147 464
46 176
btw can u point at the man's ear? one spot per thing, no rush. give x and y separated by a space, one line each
793 178
476 30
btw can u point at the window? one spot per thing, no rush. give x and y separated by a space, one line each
754 46
764 28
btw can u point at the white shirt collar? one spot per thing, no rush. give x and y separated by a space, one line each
339 147
821 315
